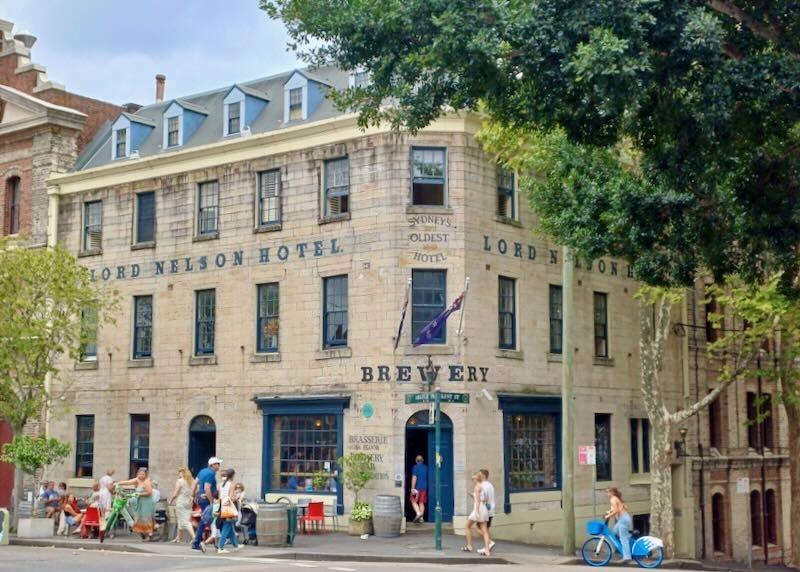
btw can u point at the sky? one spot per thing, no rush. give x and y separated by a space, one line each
112 49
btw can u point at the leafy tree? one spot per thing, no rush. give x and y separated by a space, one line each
45 294
30 454
663 132
357 470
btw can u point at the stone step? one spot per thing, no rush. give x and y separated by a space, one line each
427 528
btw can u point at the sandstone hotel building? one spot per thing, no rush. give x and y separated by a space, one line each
262 246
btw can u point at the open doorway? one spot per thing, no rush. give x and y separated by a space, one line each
202 442
420 440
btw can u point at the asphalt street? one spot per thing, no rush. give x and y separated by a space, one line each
30 559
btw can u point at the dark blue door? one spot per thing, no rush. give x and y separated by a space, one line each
446 449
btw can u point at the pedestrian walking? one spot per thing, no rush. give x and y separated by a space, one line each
144 508
107 489
182 498
479 516
419 488
228 513
207 492
488 491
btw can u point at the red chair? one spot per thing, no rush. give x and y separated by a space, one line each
315 515
91 520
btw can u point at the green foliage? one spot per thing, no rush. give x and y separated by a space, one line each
320 479
361 511
29 454
44 292
357 469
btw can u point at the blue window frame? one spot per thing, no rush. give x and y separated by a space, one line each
311 428
428 300
145 217
532 444
505 194
140 443
142 327
507 313
122 140
268 317
334 312
205 321
84 446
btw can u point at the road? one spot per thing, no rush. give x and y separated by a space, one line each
28 559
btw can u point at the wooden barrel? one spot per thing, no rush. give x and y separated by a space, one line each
272 525
387 516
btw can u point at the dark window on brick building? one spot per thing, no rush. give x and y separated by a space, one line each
756 524
13 204
719 523
771 516
715 424
602 443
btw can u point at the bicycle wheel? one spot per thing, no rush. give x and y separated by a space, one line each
597 551
647 555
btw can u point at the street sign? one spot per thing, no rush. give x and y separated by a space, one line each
743 486
416 398
586 455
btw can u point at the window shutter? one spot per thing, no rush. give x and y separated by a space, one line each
334 205
502 205
95 241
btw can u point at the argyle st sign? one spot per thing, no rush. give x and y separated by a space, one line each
407 373
218 261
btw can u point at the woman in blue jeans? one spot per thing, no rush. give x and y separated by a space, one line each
228 496
624 522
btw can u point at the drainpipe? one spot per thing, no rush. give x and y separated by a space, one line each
761 436
699 443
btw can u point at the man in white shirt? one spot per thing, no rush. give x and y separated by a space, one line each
488 493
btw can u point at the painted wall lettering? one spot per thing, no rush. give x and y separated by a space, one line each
403 373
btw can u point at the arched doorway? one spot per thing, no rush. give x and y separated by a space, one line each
202 442
718 523
420 440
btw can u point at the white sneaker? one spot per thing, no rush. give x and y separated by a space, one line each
223 551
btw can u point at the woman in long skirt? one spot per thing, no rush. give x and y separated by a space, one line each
144 507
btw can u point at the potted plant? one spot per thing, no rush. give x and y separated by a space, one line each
320 480
357 469
29 455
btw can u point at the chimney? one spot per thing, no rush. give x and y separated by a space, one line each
160 80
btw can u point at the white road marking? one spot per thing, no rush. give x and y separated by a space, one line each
342 569
301 565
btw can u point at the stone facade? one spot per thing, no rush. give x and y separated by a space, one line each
377 245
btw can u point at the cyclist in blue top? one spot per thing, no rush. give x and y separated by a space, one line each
419 488
207 492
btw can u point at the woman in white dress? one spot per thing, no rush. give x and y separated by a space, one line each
182 497
479 516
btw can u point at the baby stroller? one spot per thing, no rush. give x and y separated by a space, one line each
246 526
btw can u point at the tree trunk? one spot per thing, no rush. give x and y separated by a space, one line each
793 416
661 512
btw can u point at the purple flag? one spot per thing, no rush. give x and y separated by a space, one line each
433 327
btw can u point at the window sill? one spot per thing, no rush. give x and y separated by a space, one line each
91 252
140 362
271 227
508 220
605 361
203 360
86 365
333 353
334 218
143 245
204 237
508 354
640 479
554 358
429 350
432 209
272 357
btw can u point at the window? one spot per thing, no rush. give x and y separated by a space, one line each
92 225
756 524
640 445
505 193
89 335
771 516
715 423
268 317
602 443
142 327
145 217
600 324
337 186
428 295
121 143
296 103
13 200
712 333
205 317
84 446
641 522
208 203
718 523
532 441
140 443
556 320
234 117
303 448
269 199
335 311
507 310
428 173
173 131
759 421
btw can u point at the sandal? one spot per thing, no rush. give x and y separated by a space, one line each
466 549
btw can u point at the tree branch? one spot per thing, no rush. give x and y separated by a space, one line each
769 33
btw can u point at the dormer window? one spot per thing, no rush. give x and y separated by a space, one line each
296 103
234 117
173 131
359 79
121 143
128 133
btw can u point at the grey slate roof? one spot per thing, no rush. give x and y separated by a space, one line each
270 89
249 91
139 119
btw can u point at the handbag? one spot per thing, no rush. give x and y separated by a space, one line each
228 509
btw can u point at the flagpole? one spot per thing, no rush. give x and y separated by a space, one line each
463 308
402 315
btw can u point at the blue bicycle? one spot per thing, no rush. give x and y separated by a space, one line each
647 551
